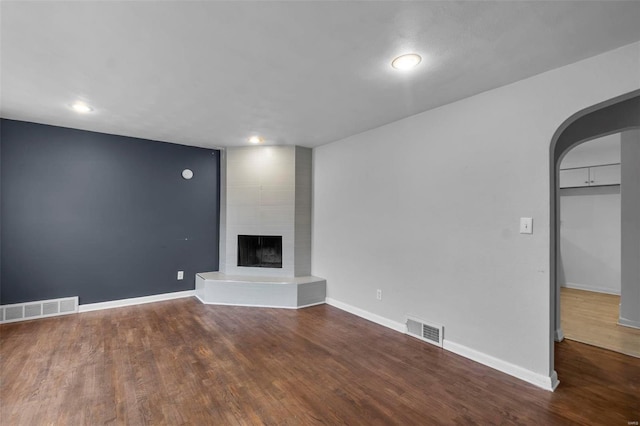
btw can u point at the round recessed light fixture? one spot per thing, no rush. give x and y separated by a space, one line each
187 174
406 62
81 107
256 139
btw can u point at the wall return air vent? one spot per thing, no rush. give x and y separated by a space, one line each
426 331
38 309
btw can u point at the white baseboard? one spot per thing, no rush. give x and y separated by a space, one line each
135 301
628 323
545 382
604 290
257 306
554 381
310 305
558 335
397 326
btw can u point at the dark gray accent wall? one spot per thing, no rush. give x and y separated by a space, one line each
101 216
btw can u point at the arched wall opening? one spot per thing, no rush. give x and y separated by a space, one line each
613 116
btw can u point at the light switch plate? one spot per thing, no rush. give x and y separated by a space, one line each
526 225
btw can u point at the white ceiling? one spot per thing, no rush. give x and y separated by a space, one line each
604 150
211 74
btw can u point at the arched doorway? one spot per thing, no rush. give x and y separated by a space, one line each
612 116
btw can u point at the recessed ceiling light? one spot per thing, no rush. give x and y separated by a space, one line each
406 62
81 107
256 139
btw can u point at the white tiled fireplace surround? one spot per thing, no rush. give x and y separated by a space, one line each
265 190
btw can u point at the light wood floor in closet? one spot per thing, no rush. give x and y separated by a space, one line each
592 318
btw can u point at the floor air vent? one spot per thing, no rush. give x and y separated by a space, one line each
429 332
39 309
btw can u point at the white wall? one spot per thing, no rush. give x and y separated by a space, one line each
630 297
590 223
427 209
590 238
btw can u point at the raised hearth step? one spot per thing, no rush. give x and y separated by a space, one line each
273 292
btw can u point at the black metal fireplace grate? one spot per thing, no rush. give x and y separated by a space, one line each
260 251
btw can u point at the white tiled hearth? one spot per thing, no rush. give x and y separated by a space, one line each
295 292
265 191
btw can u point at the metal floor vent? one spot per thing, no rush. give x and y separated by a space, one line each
38 309
429 332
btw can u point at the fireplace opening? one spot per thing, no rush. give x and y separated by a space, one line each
260 251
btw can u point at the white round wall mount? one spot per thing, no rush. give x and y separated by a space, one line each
187 174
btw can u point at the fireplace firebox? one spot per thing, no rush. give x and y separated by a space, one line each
260 251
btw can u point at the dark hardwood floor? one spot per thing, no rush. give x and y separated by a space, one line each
181 362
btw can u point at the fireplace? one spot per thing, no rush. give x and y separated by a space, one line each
260 251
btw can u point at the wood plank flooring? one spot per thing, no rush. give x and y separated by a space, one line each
182 362
592 318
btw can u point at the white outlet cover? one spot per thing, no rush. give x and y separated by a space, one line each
180 275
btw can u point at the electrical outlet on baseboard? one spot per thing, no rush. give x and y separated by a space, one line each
180 275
